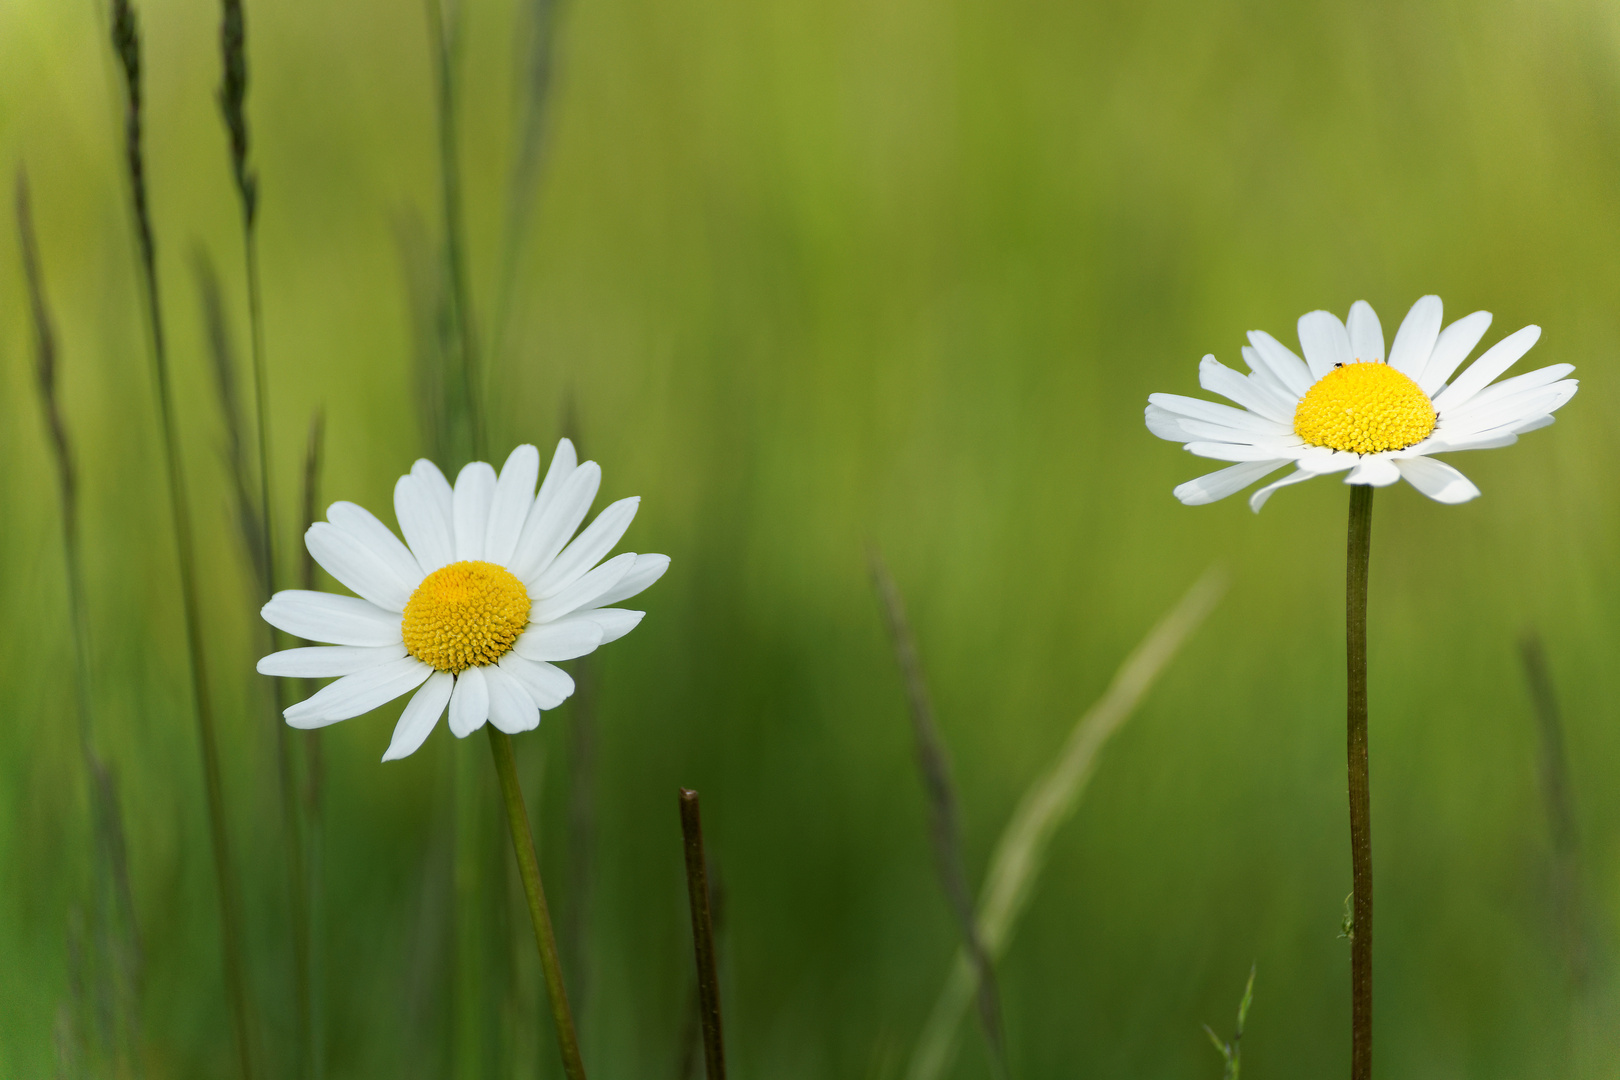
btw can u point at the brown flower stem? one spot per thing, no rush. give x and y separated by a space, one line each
697 889
1361 936
529 867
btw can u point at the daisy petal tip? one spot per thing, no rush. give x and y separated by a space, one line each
1190 495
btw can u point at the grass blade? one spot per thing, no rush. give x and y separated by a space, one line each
1021 850
943 815
538 65
463 404
116 932
233 111
126 41
1560 804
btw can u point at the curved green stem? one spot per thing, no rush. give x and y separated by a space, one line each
529 867
1361 936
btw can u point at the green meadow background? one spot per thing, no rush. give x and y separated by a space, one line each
809 274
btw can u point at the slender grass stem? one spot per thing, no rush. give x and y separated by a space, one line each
1020 852
944 815
127 46
232 101
517 819
444 24
1361 909
314 767
116 933
697 892
1557 795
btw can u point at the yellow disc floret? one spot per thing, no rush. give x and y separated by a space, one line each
1364 408
465 615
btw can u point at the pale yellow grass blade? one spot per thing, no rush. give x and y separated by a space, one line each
1021 851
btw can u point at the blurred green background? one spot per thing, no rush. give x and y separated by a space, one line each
811 274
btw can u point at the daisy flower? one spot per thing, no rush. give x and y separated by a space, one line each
489 589
1345 408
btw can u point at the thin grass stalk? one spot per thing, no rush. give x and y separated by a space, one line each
252 520
314 762
1358 555
517 819
581 822
1231 1051
127 46
1020 852
943 814
697 894
581 812
464 404
538 66
116 931
233 109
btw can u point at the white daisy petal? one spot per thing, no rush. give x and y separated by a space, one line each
1261 376
1376 471
1324 462
565 639
359 693
1366 333
1283 362
1214 486
1211 412
514 496
1535 423
469 703
1325 341
1258 499
1198 429
1509 387
424 522
1492 362
1222 451
511 707
613 622
1217 378
1165 424
585 591
1414 341
1437 480
437 487
1484 440
1539 402
352 562
421 715
549 528
341 620
646 570
378 538
1451 349
475 491
563 463
328 661
547 684
587 549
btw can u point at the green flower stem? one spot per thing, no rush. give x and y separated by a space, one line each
529 867
1361 937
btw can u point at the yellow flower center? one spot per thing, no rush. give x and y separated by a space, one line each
1364 408
465 615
